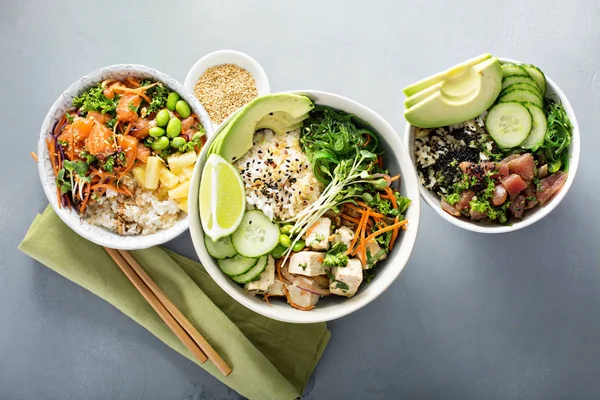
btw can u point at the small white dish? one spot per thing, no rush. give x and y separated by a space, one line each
221 57
531 216
396 158
96 234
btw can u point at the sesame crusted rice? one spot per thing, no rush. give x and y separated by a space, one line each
277 175
439 151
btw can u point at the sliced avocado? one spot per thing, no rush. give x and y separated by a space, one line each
422 95
237 136
467 98
276 126
285 118
458 69
280 122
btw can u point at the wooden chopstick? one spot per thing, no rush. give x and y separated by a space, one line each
181 319
165 308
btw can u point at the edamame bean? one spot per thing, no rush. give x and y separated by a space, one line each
160 144
287 229
162 117
172 100
285 241
173 127
278 251
183 109
177 142
300 244
155 131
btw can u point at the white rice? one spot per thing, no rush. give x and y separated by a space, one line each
144 213
277 175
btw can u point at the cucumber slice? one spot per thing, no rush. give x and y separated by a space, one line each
511 80
220 249
237 265
521 95
509 123
538 128
512 70
537 75
533 88
254 273
256 235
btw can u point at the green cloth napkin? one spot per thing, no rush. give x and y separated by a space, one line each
270 359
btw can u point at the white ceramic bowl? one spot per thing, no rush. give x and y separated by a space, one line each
220 57
531 216
93 233
396 159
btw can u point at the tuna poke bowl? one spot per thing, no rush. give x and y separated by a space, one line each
495 143
116 155
302 206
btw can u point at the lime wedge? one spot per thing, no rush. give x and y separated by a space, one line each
222 198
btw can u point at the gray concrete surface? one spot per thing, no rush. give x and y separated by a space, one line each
498 317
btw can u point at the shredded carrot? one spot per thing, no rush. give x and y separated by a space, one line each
380 161
266 298
368 140
143 96
278 268
133 82
394 178
349 218
86 198
52 153
34 156
391 197
357 233
394 235
58 197
60 124
386 229
291 303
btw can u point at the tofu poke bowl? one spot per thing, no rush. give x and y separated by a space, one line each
304 206
495 143
116 155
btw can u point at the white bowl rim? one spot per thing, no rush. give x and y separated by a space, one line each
434 202
290 314
226 56
96 234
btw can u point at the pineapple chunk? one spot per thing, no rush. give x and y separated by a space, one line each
168 178
140 175
183 205
186 173
153 167
178 162
180 191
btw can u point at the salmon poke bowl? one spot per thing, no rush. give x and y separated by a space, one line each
116 154
304 206
495 143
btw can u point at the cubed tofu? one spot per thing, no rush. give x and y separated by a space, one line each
374 254
318 238
309 263
342 234
346 280
301 297
267 278
276 288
